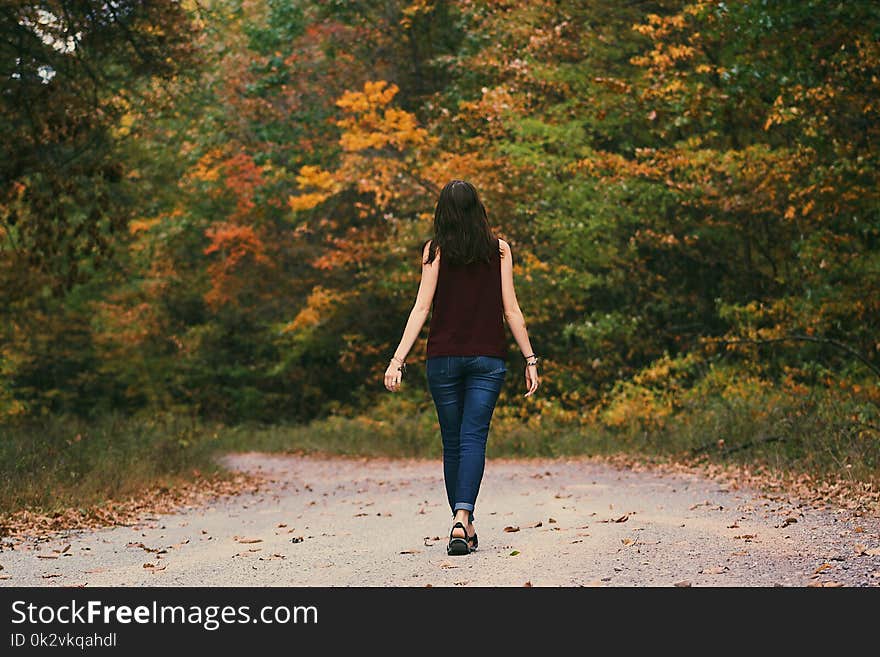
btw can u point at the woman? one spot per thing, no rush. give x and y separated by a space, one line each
467 273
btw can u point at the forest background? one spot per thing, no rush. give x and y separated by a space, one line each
211 216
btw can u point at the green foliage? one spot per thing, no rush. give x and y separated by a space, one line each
285 21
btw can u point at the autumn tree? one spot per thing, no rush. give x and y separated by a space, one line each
72 71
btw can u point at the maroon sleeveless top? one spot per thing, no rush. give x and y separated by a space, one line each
467 317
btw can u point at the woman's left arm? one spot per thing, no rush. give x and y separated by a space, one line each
417 317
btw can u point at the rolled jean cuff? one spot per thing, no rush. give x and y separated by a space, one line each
464 505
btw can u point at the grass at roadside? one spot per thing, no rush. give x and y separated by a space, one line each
54 463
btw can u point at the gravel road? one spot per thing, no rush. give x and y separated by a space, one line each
384 522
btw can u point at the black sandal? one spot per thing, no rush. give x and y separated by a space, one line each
458 545
472 541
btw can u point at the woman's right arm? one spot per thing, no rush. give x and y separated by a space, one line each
514 316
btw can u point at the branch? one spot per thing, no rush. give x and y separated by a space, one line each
805 338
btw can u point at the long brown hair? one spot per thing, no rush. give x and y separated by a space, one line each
461 226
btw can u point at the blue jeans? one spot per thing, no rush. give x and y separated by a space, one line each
465 389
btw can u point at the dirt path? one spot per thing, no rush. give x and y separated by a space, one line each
384 522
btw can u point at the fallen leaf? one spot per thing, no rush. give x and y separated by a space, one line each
683 584
622 518
511 528
627 541
136 510
514 553
145 548
827 585
551 519
528 584
241 539
538 524
824 566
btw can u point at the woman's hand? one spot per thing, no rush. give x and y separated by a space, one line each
392 377
532 379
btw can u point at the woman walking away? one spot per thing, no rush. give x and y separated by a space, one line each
467 274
